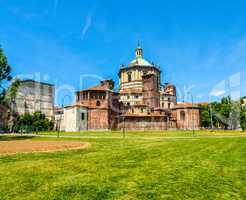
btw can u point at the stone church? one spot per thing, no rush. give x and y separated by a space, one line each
142 103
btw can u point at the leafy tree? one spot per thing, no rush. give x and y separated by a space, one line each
205 116
35 122
5 71
216 116
225 114
243 116
11 91
225 110
243 120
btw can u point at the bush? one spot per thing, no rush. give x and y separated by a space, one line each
33 123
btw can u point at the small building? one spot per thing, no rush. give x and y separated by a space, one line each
102 104
168 96
187 116
75 118
35 96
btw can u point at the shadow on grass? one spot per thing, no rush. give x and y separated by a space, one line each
13 138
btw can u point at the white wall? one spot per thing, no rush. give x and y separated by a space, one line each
73 119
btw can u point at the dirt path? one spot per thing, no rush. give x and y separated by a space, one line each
25 146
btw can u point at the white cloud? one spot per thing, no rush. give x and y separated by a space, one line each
217 93
87 25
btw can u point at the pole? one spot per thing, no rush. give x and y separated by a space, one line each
59 126
124 127
211 114
192 104
193 126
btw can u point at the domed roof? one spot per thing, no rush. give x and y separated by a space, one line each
139 60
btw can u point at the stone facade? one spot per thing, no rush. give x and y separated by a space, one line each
35 96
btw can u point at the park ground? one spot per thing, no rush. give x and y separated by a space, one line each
137 165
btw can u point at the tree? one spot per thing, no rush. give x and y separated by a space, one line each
243 115
225 114
205 116
12 90
5 71
225 111
35 122
243 119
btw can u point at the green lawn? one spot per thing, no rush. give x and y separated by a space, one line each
148 134
199 168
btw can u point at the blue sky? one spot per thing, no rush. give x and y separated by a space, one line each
200 45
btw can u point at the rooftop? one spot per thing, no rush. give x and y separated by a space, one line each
36 82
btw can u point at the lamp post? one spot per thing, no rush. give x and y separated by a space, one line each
211 114
124 127
192 104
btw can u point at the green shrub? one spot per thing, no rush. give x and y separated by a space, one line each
33 123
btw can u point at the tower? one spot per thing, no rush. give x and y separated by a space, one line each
131 78
151 93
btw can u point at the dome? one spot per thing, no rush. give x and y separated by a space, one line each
139 60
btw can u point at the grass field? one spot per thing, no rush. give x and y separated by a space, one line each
133 168
148 134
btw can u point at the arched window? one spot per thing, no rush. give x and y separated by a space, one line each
98 103
169 105
182 115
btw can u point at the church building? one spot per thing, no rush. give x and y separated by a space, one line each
142 102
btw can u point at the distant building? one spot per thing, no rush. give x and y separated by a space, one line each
141 104
35 96
168 97
4 116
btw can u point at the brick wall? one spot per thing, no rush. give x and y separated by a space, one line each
147 125
185 117
98 119
151 94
